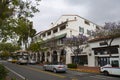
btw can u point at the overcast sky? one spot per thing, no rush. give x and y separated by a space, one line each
97 11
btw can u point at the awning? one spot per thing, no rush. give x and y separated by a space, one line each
60 36
56 37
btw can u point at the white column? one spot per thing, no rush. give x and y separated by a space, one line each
45 56
68 56
58 53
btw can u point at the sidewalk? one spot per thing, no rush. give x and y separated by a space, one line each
87 69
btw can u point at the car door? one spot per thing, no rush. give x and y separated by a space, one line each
50 66
116 69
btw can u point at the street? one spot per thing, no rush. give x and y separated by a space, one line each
35 72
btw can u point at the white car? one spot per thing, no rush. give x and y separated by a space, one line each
32 62
109 70
10 60
58 67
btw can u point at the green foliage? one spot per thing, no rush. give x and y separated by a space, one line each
13 10
24 30
13 79
72 65
3 72
5 55
37 46
9 47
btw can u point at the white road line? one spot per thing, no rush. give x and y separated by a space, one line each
16 73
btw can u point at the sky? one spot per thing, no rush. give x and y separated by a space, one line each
97 11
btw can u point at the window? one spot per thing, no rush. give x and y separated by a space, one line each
86 22
81 29
97 28
40 36
43 35
75 18
55 30
49 33
62 27
88 32
115 63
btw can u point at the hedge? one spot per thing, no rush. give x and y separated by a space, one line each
72 65
3 72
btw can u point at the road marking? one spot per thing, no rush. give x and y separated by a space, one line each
15 73
38 70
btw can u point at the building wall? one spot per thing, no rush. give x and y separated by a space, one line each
74 22
79 22
92 58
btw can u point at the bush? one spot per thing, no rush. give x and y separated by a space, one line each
3 72
72 65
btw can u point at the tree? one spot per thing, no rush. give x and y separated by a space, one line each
24 30
37 47
74 43
5 55
9 47
11 10
108 33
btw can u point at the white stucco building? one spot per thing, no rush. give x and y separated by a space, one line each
65 26
99 55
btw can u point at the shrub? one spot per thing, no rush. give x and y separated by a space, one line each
13 79
72 65
3 72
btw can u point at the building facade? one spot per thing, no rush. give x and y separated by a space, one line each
100 53
65 26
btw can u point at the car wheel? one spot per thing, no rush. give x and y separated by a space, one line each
106 73
54 70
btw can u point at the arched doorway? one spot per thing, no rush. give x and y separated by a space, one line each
63 56
43 57
54 57
48 56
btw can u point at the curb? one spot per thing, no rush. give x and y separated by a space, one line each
83 70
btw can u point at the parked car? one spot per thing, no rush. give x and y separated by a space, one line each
32 62
111 69
55 67
12 60
22 61
9 59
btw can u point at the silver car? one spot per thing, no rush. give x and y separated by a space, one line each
32 62
55 67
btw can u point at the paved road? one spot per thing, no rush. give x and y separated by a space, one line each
35 72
